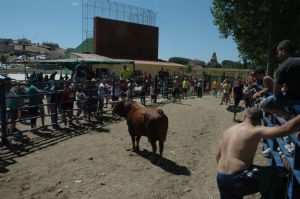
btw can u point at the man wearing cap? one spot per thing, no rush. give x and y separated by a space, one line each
287 81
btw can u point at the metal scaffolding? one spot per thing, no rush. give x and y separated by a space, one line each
111 10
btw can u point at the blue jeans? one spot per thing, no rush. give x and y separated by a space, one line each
215 91
237 185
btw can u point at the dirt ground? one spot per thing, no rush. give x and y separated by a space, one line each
94 161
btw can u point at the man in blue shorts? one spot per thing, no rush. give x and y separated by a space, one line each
236 172
286 87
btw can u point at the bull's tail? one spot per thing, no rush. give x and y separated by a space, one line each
165 120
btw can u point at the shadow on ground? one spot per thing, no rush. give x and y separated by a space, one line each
50 137
166 164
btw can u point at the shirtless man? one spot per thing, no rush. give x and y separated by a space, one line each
237 150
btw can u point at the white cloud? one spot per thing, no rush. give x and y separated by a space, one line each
75 4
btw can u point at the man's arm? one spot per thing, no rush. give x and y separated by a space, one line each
218 154
279 131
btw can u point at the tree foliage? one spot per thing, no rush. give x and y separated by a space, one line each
231 64
257 26
4 57
179 60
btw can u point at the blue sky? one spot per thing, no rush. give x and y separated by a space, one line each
186 27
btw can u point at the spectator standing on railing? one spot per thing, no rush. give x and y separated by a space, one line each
80 72
236 172
287 81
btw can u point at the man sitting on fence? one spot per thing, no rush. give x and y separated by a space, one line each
235 177
286 88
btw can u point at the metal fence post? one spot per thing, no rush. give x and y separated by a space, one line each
3 112
113 90
155 89
55 107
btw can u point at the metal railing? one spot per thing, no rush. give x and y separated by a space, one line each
278 147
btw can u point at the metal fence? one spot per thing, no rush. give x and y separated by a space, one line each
279 149
34 106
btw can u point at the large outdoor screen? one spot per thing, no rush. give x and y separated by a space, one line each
124 40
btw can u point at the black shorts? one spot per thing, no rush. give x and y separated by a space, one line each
176 92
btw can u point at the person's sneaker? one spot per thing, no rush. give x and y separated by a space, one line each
268 150
290 147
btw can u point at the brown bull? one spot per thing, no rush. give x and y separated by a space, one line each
141 121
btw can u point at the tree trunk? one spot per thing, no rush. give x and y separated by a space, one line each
271 61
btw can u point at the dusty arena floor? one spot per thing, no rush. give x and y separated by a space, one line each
93 161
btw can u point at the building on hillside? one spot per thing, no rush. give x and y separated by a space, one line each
50 45
23 41
6 41
6 45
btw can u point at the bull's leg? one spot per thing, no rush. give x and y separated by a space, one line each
137 142
154 147
161 149
133 142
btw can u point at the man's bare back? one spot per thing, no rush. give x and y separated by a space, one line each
237 148
239 142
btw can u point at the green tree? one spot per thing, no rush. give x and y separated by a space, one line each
179 60
257 26
231 64
4 57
